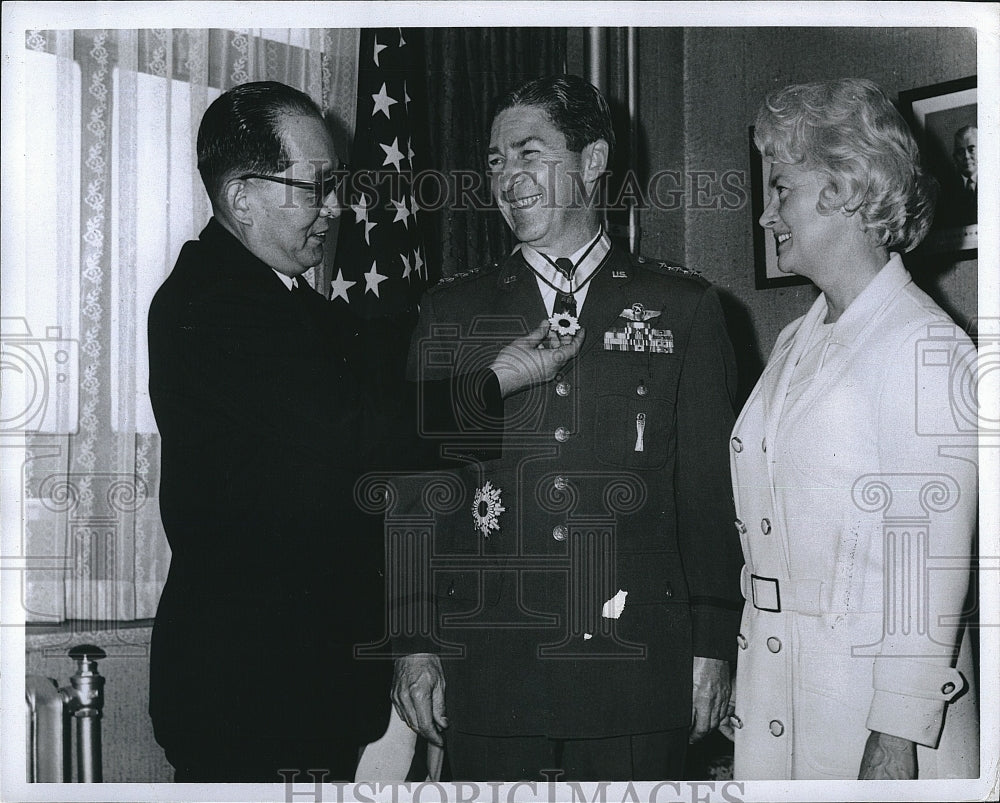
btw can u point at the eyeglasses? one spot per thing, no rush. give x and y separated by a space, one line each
319 190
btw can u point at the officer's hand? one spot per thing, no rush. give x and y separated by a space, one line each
418 695
710 700
534 358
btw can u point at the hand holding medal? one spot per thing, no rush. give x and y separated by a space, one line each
537 357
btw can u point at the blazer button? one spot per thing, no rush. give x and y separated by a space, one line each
776 728
560 532
560 483
741 641
774 644
737 444
948 688
562 388
561 434
741 528
765 526
736 721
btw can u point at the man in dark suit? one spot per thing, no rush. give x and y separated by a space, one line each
966 186
261 406
587 607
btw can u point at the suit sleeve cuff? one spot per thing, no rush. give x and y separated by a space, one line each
910 698
714 630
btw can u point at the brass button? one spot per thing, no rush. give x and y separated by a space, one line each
765 526
741 528
641 389
562 388
736 721
774 644
737 444
562 434
776 728
741 641
948 688
560 483
560 532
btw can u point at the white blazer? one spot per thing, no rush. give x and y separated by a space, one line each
856 508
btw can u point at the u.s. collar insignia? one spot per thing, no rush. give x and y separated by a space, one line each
638 313
486 509
619 274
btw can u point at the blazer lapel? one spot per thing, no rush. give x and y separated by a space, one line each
785 366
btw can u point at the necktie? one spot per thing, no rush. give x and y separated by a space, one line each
970 185
565 302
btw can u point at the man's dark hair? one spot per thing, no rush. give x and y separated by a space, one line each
574 106
241 132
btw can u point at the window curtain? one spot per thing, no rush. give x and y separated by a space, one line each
112 192
467 69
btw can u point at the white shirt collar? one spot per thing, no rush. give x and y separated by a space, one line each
587 259
289 281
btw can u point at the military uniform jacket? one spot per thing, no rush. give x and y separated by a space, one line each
613 485
857 485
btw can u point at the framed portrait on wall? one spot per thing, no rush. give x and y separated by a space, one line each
943 120
765 250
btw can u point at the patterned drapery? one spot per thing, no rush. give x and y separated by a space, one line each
111 194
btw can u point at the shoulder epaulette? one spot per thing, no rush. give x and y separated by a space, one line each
670 268
464 275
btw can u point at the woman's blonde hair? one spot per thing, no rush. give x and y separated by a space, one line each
850 130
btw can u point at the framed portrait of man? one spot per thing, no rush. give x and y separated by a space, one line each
945 124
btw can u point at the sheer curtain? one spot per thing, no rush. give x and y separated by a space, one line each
112 192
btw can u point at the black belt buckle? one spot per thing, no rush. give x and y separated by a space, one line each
777 593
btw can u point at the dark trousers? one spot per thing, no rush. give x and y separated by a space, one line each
259 760
641 757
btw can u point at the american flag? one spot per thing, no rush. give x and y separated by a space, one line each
380 268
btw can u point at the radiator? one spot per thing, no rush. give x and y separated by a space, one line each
51 714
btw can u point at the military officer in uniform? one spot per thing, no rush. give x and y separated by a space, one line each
588 617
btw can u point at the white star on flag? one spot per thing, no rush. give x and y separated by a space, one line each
402 213
360 210
373 279
406 97
418 264
409 152
378 49
407 267
382 102
414 208
340 286
402 41
393 155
